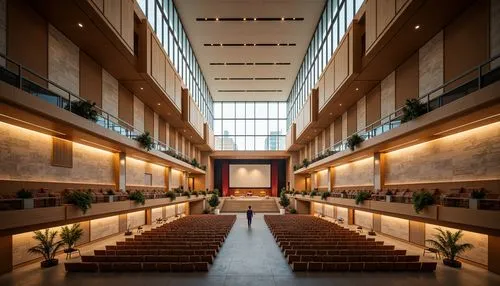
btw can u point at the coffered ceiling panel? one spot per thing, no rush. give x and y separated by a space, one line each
238 70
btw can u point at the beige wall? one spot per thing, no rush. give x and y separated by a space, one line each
27 155
358 173
396 227
431 65
471 155
63 63
361 113
364 219
388 95
323 179
175 179
109 94
104 227
136 219
138 114
137 168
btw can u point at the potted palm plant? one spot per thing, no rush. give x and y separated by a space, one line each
47 247
446 242
145 140
70 235
138 197
27 197
354 141
80 199
413 109
421 200
284 201
362 196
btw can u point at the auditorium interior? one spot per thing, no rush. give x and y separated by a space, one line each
249 142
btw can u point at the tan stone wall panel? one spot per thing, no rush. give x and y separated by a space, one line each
396 227
64 63
109 94
388 96
361 114
357 173
138 114
431 66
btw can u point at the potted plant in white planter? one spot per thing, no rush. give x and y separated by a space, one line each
284 202
27 197
111 195
47 247
343 194
476 195
388 196
447 244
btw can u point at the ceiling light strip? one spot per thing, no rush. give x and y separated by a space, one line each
249 64
249 90
250 45
250 19
249 78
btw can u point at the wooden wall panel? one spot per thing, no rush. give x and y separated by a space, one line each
125 105
112 12
417 232
352 124
494 253
407 81
329 81
99 4
148 120
27 37
5 254
170 81
158 61
386 10
338 129
90 79
172 137
62 153
321 92
162 128
342 63
466 41
371 23
127 22
178 93
373 105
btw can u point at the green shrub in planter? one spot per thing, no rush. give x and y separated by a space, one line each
186 194
353 141
81 199
206 211
204 193
138 197
304 193
24 194
325 195
293 211
214 201
171 195
145 140
413 109
284 200
447 244
313 193
421 199
306 162
195 193
478 194
362 196
216 191
85 109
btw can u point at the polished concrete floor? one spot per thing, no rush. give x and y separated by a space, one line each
250 256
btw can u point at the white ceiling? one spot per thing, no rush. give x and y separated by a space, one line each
249 32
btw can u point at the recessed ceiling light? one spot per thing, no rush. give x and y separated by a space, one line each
159 103
282 19
142 88
206 19
340 104
255 19
417 27
331 113
216 19
357 89
80 25
184 130
244 19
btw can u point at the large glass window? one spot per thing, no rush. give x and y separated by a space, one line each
250 125
163 17
332 26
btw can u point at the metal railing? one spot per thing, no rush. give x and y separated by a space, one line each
31 82
460 86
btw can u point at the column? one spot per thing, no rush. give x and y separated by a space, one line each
331 178
378 171
120 171
168 177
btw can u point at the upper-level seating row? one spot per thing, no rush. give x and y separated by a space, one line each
187 244
47 198
453 197
313 244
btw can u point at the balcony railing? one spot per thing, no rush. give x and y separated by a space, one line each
23 78
464 84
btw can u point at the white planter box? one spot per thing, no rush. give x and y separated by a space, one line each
388 199
111 198
473 204
217 211
28 203
282 211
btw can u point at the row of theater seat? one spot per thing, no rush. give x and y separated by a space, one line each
312 244
187 244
